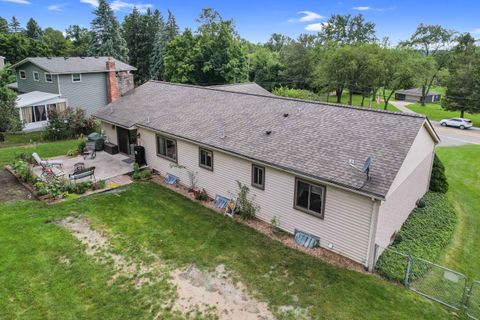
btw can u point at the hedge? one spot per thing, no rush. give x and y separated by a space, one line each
438 180
425 233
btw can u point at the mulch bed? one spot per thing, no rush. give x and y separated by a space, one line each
12 189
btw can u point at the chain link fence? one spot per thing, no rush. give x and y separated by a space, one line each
431 280
473 301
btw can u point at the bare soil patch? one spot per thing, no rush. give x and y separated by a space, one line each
11 189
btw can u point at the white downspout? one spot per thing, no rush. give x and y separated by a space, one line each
372 235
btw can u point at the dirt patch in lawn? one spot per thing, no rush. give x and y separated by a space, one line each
12 190
212 293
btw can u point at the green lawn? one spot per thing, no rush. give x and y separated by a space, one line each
21 138
357 100
463 172
434 111
45 150
35 285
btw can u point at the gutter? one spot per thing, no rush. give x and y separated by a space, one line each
370 261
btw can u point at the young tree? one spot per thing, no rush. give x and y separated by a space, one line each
179 59
33 30
4 26
297 58
9 117
15 25
431 41
107 34
164 34
461 82
347 30
264 67
81 40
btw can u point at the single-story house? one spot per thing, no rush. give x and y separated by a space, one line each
302 159
86 83
415 95
34 108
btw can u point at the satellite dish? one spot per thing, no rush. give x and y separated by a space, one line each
366 166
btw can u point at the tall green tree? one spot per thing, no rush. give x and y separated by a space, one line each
277 42
431 41
461 89
56 42
297 58
164 34
264 67
15 25
107 38
80 39
343 30
16 46
4 26
179 60
33 30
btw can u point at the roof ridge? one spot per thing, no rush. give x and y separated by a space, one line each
338 105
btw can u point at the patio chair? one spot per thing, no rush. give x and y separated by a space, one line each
83 173
46 163
89 151
49 173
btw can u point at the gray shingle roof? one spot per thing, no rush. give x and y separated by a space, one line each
316 139
248 87
63 65
415 92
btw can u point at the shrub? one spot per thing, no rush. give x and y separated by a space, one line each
136 172
146 174
295 93
438 180
22 169
69 123
202 195
425 233
27 157
247 207
81 146
100 184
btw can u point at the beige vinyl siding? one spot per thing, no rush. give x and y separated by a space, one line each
347 215
410 184
110 132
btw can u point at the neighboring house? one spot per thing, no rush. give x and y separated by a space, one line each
86 83
295 155
415 95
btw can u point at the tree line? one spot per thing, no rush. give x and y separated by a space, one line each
345 57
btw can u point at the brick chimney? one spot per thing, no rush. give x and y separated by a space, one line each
112 89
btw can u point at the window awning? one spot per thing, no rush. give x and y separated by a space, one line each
38 97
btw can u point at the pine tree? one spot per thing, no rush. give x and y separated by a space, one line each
164 34
3 26
15 25
107 34
33 30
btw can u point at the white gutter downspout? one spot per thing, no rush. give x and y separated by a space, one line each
372 235
58 84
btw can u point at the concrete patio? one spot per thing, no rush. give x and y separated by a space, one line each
107 166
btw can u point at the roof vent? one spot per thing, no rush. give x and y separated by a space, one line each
222 134
285 115
82 57
50 58
66 58
268 132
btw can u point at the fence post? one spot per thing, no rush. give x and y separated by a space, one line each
407 272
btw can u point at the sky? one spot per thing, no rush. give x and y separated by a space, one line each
257 20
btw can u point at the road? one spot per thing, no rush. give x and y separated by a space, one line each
449 136
456 137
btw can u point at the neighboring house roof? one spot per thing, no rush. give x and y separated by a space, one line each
247 87
62 65
416 92
315 139
37 97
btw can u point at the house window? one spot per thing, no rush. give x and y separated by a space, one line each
167 148
23 74
206 159
48 77
76 77
258 176
309 198
36 77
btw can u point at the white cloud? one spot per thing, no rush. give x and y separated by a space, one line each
18 1
118 5
364 8
316 26
307 16
93 3
56 7
476 31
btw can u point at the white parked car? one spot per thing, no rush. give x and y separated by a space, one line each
457 122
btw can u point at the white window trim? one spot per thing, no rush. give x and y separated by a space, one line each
51 81
20 74
78 80
38 76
